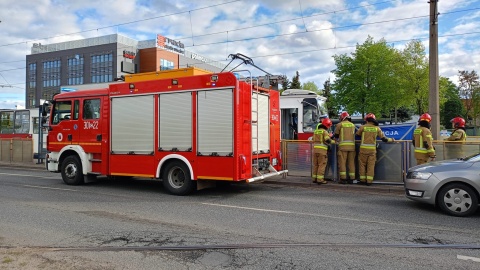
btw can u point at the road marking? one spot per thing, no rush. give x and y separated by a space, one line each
466 258
29 175
65 189
420 226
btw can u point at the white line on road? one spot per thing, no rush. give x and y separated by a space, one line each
337 217
466 258
29 175
65 189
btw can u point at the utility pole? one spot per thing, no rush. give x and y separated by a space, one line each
433 104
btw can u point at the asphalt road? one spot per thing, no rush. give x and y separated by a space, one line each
135 224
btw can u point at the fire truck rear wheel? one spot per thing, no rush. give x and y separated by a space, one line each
176 178
72 173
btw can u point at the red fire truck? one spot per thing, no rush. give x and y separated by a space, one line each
188 130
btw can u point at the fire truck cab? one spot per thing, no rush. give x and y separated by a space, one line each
188 130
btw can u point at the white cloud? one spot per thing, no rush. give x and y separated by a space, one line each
273 31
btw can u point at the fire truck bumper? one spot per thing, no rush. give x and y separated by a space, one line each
272 172
51 162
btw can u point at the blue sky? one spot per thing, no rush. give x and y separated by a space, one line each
282 36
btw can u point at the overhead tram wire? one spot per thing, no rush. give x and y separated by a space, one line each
244 28
238 29
120 24
182 12
317 50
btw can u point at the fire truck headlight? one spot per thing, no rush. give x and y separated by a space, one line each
174 82
274 161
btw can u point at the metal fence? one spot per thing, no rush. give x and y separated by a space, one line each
393 159
18 150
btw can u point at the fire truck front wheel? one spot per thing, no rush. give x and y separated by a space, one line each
72 173
176 178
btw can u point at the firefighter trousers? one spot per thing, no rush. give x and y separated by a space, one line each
319 159
346 160
366 165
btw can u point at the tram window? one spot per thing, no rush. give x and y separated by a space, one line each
22 122
6 122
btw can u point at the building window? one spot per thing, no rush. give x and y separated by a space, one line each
51 73
75 69
166 65
102 68
32 74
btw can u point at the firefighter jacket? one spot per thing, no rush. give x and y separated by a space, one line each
369 133
423 142
458 135
345 132
321 140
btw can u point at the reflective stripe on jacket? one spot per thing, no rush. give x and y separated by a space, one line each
346 135
369 133
422 137
320 138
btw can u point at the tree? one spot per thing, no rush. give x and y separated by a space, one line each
450 103
413 77
469 91
366 81
330 103
285 83
295 84
451 108
312 87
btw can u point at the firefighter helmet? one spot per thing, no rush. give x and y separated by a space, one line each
370 115
458 122
425 117
326 122
344 115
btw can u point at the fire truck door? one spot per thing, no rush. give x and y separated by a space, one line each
65 123
90 129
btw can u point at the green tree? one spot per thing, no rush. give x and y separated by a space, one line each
312 87
451 108
450 103
285 83
330 103
413 77
469 87
366 80
295 84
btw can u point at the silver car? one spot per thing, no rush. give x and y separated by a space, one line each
451 185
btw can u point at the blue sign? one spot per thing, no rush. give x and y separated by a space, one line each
399 132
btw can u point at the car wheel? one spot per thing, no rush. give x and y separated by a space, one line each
457 200
176 178
72 172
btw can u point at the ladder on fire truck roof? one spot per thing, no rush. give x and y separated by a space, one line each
255 93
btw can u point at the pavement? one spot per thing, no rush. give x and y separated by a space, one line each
298 181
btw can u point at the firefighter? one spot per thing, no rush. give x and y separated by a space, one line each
422 140
345 136
321 141
367 155
455 150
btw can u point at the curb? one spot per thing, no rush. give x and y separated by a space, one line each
303 182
